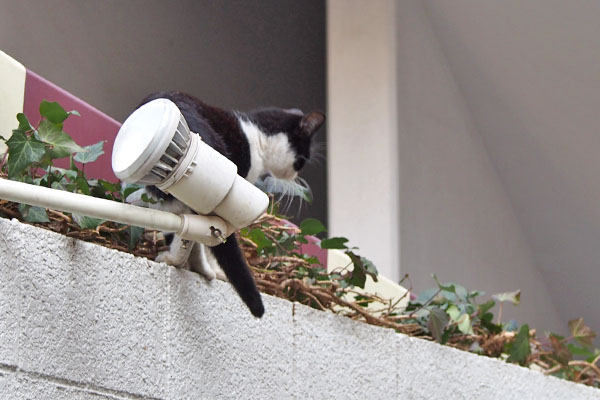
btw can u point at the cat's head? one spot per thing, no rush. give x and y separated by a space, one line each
288 139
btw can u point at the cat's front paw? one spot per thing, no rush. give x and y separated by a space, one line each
208 273
168 258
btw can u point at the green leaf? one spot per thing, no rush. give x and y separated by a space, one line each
334 243
583 352
461 291
58 185
135 232
370 268
60 144
90 153
462 320
128 189
358 274
438 319
425 295
485 307
23 150
258 237
513 297
464 324
83 185
510 326
33 213
72 175
24 125
86 222
53 112
448 288
109 186
581 332
453 312
520 348
148 199
306 195
311 226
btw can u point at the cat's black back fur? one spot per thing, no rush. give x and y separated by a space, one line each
221 130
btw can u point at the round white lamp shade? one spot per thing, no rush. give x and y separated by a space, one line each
155 147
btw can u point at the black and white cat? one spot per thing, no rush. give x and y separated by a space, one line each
270 141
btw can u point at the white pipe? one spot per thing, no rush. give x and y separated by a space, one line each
191 227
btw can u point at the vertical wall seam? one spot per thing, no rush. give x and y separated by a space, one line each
294 352
167 328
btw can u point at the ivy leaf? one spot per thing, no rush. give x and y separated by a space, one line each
461 291
258 237
513 297
581 332
560 351
61 144
33 213
23 150
128 189
135 232
448 288
90 153
510 326
24 125
453 312
86 222
519 348
464 324
109 186
334 243
583 352
306 195
311 226
438 319
53 112
358 275
370 268
462 320
72 175
82 184
485 307
148 199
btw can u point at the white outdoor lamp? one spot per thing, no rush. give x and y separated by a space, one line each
155 147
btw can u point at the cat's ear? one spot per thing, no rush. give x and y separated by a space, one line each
311 122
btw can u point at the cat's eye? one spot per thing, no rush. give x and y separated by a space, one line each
299 163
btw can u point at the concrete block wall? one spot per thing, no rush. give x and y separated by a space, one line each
79 321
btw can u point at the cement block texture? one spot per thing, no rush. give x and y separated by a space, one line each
80 321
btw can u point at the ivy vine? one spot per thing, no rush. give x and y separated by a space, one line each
448 313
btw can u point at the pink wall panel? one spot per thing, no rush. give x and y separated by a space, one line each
90 128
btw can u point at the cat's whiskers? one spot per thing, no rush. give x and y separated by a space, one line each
288 190
317 156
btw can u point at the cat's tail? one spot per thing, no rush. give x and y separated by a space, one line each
232 262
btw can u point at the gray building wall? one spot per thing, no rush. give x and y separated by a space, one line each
233 54
431 200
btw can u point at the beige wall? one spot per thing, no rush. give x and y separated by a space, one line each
451 215
363 171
